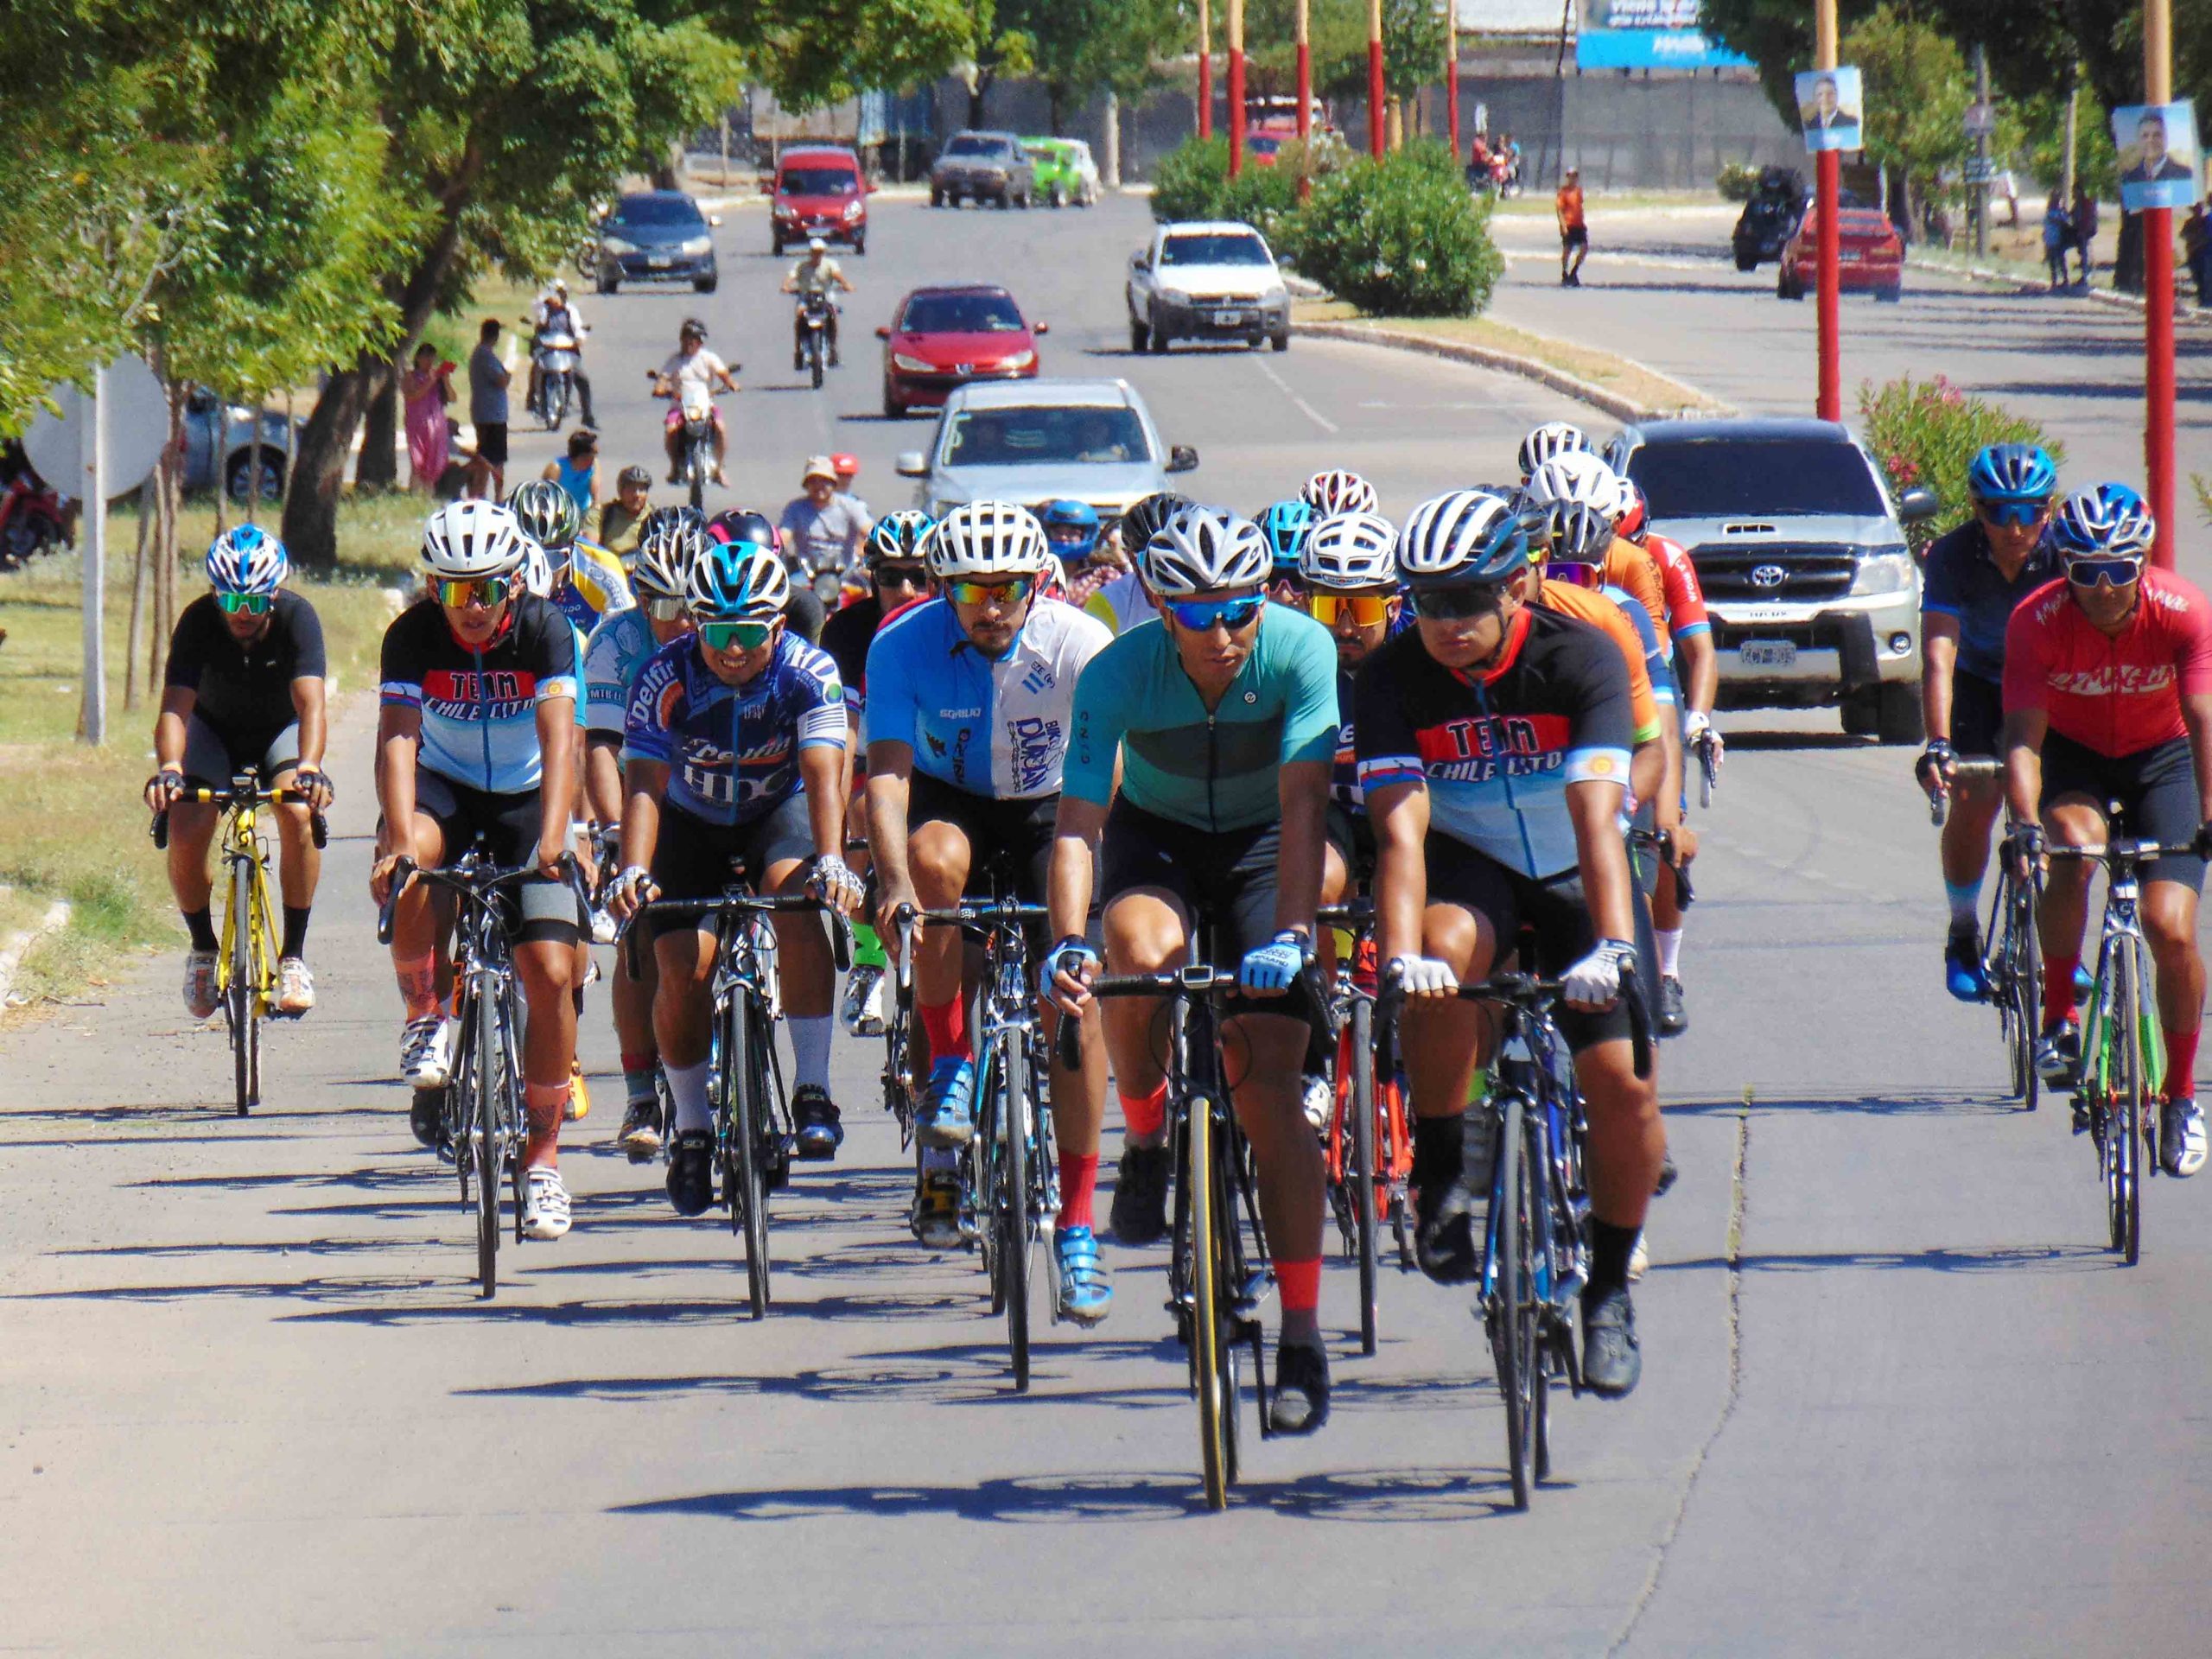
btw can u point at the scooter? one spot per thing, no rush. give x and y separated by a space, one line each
698 441
555 354
815 312
32 519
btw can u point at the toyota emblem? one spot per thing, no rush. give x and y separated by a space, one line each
964 368
1768 575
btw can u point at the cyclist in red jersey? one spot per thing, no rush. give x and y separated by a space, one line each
2108 697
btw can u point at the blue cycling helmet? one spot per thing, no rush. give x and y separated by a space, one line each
247 560
898 535
2110 521
1286 525
2013 472
1463 537
1071 527
737 581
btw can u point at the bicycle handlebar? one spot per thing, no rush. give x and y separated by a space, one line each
475 883
1530 991
1939 800
1662 842
840 930
317 824
1199 979
2134 852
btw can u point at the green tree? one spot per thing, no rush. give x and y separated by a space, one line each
1081 46
815 51
1917 89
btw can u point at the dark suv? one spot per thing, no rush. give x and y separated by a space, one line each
983 166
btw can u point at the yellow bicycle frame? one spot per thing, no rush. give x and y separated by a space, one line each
242 841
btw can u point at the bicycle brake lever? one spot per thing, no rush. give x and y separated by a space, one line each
1067 1046
319 827
160 828
403 872
1639 1023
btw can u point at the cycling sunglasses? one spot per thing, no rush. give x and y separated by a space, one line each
736 636
667 610
251 604
1573 573
1458 603
2011 514
460 592
1202 616
984 593
1365 609
891 573
2103 573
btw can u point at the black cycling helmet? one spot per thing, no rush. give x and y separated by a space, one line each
692 326
741 524
1144 521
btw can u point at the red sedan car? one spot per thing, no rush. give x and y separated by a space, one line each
1869 257
945 337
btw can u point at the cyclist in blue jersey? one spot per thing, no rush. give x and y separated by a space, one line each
1494 742
970 698
1222 717
1976 577
476 738
614 656
734 749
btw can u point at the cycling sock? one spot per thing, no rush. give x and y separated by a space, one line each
418 985
947 1026
939 1161
687 1087
638 1076
2058 989
1965 901
1438 1154
2181 1064
811 1051
201 926
1144 1117
1078 1182
867 948
1669 940
1298 1283
296 931
547 1105
1610 1249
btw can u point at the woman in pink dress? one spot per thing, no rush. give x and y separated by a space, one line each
427 389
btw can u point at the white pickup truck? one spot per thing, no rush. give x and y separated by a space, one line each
1212 280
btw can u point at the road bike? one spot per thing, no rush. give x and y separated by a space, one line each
755 1134
2012 962
484 1127
245 962
1367 1150
1009 1179
1218 1275
1708 749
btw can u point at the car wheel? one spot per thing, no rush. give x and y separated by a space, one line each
707 284
1896 713
1890 296
1747 262
776 244
892 409
1053 198
1138 333
1862 712
1282 341
238 478
1786 286
608 284
1158 339
859 247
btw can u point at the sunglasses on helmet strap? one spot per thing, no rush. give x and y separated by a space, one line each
982 593
2091 571
1459 601
1364 609
2012 514
667 610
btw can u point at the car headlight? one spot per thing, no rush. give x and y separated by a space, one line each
1174 296
1885 570
784 210
1020 360
912 364
616 244
1277 295
699 244
853 208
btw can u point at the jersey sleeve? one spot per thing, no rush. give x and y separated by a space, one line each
1686 611
400 673
1602 724
1658 673
1939 589
2193 651
1382 729
821 722
311 661
655 702
551 652
1310 721
606 692
1100 717
1631 568
187 649
891 711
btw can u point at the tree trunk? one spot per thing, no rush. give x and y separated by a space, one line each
140 571
671 164
1053 108
378 466
976 88
169 478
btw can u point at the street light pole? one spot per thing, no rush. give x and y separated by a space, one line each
2159 298
1375 110
1205 70
1236 87
1452 76
1827 169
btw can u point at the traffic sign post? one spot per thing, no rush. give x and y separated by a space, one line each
1375 78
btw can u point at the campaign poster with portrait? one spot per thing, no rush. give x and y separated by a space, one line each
1831 108
2161 163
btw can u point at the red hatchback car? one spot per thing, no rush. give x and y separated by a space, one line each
819 191
1869 255
945 337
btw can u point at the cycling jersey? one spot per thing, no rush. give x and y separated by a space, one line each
1497 750
2114 696
1678 583
1212 771
1964 583
480 707
1603 610
244 691
1630 567
1122 603
733 751
596 588
992 727
615 656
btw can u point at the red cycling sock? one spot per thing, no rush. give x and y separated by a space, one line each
947 1026
2058 987
2181 1064
546 1105
1145 1116
1078 1181
1298 1283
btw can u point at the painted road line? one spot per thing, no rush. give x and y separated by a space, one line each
1284 387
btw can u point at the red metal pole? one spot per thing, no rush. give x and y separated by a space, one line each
1827 172
1236 87
1375 93
2158 375
1452 78
1206 71
1305 106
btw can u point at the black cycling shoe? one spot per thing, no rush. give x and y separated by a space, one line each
1667 1174
640 1133
1612 1360
691 1172
819 1133
1140 1211
426 1115
1299 1401
1445 1197
1674 1017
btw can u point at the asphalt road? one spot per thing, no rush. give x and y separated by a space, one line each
1896 1400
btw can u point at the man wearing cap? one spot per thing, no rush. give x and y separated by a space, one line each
823 530
1574 231
816 274
619 522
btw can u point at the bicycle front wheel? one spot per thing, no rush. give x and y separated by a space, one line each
744 1112
2128 1094
1363 1149
1209 1317
1011 1213
487 1078
1513 1310
239 1003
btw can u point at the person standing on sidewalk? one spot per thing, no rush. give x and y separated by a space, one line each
2057 237
2196 251
426 389
487 404
1574 231
2084 218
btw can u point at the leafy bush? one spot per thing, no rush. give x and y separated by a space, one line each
1738 181
1193 182
1401 237
1928 432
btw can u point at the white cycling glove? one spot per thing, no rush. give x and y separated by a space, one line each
1595 982
831 873
632 889
1424 977
1700 726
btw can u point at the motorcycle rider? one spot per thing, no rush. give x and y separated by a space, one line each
813 278
692 363
554 313
822 530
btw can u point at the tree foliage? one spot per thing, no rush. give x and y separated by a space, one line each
1413 46
1077 48
1917 90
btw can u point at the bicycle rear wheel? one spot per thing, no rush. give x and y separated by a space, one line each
744 1077
1362 1037
1211 1361
486 1079
1513 1310
1010 1215
2021 963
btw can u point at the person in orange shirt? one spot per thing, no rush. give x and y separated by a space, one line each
1574 231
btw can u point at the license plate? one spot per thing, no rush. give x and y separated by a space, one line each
659 261
1768 653
1227 319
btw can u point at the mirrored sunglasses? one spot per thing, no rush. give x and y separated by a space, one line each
251 604
490 592
667 610
1458 603
1201 616
2011 514
984 593
2103 573
1365 609
735 636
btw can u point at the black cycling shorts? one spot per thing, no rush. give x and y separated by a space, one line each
1352 834
510 826
1556 911
693 859
214 755
1017 834
2156 789
1977 716
1225 878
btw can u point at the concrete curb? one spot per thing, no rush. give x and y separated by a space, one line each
19 945
1528 368
2184 312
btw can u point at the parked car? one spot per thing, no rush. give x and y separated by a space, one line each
1869 255
1768 217
1064 171
657 236
1265 149
819 190
1814 593
941 338
218 444
1037 440
1206 280
983 166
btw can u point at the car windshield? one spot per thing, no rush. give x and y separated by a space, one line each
1730 478
818 181
1213 248
960 314
658 210
1044 437
973 146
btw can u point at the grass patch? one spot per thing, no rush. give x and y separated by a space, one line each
1537 204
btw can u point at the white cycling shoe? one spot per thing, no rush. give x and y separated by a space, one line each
200 984
863 1007
426 1052
545 1206
2181 1139
295 987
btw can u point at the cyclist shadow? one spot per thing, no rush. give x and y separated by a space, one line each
1941 1258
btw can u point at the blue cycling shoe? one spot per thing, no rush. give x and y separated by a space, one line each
1964 976
947 1119
1081 1289
2082 983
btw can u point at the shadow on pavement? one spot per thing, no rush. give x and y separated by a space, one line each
2004 1258
1870 1105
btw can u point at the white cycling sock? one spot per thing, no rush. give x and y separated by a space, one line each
1670 951
811 1051
687 1086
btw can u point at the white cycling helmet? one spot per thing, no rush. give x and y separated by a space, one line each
1552 439
537 570
1463 536
1578 476
1205 549
1352 550
1332 492
665 555
465 539
987 538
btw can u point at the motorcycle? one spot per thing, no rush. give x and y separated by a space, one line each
555 355
32 519
698 441
815 312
